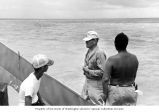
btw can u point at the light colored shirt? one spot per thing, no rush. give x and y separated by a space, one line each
95 60
29 87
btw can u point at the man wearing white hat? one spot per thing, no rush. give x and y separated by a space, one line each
28 93
93 69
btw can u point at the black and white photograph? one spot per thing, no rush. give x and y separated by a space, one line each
99 53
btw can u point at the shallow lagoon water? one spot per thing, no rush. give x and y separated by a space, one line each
62 41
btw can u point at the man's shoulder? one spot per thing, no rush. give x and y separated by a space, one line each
100 51
112 58
118 56
133 55
28 81
26 85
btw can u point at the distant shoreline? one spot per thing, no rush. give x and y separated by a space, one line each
105 20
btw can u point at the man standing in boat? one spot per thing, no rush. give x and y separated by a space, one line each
93 69
120 73
29 89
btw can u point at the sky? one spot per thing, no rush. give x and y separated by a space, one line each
79 9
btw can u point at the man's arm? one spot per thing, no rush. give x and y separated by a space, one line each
106 76
137 64
28 95
28 100
100 60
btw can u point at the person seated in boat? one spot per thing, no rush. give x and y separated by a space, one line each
93 69
120 74
29 89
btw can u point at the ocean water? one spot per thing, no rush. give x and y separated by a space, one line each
62 41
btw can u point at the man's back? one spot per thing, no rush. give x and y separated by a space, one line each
120 73
124 68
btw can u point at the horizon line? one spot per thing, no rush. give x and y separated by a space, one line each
76 18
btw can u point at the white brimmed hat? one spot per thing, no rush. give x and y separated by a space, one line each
41 60
91 35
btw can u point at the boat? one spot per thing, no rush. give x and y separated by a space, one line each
14 69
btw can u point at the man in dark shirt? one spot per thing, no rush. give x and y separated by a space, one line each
119 74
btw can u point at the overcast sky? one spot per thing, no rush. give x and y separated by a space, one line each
79 9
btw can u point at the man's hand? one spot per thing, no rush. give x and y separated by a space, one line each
86 69
28 100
